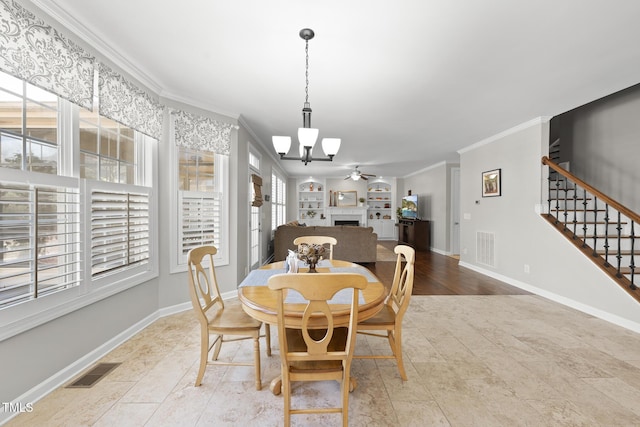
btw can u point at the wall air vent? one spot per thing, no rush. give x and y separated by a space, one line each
485 248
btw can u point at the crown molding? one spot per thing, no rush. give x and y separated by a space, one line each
199 104
511 131
81 31
443 163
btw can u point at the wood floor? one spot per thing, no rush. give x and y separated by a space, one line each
437 274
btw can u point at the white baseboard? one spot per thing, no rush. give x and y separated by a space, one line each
73 370
441 252
611 318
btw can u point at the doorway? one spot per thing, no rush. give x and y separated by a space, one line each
455 211
254 213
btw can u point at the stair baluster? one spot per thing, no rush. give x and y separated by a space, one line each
565 212
606 236
632 265
575 211
619 251
584 218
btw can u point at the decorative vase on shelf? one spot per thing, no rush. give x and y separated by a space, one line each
311 186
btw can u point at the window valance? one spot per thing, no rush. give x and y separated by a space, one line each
34 51
202 133
124 102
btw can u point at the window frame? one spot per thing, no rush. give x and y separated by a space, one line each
278 202
178 260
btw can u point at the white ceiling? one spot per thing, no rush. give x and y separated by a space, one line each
405 84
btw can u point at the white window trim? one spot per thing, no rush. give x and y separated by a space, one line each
178 263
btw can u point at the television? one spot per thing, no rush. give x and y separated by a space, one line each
410 207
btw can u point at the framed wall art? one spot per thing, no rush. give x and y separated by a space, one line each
491 183
347 198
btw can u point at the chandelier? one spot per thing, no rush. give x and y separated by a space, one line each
307 135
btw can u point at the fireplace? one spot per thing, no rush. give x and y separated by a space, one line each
347 216
346 222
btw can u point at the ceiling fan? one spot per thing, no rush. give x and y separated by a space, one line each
356 175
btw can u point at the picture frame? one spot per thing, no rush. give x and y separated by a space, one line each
492 183
347 198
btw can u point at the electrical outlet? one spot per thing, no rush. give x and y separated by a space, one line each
527 269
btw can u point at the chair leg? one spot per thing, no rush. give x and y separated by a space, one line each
344 388
286 391
217 346
267 338
256 351
396 346
204 355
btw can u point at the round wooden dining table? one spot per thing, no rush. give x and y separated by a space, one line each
260 302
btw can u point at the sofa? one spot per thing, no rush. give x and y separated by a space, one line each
355 244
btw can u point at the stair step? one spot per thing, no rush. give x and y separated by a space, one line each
592 222
610 237
614 252
578 210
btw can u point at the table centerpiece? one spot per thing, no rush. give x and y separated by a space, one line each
311 255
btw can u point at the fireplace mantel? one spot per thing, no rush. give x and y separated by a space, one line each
344 214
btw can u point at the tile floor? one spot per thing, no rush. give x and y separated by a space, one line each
485 361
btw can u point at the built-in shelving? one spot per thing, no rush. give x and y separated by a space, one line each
380 209
311 202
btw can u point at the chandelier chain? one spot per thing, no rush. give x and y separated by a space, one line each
306 74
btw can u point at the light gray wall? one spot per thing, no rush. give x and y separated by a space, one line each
31 357
557 269
433 187
603 143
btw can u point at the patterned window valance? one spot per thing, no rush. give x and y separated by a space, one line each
202 133
257 189
122 101
36 52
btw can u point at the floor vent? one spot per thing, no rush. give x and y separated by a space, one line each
485 248
90 378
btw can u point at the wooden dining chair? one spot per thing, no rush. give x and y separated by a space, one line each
326 241
217 318
389 319
319 351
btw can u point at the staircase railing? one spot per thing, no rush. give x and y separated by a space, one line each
582 224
